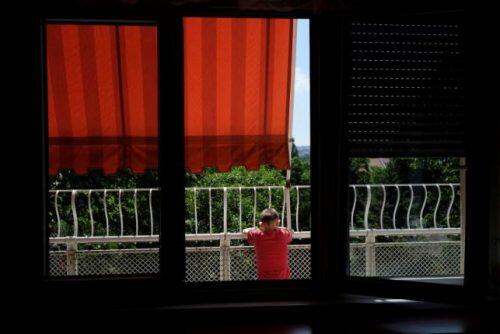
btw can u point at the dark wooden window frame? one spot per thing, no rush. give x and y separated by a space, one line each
473 279
328 200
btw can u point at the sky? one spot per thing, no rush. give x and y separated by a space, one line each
300 126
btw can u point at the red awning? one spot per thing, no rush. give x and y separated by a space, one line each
237 86
102 95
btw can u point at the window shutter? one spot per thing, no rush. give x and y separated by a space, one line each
405 87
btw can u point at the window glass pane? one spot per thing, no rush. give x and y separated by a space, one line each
405 104
407 218
247 99
103 199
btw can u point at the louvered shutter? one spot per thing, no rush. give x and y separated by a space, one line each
405 92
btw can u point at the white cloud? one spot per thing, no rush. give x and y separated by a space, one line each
301 81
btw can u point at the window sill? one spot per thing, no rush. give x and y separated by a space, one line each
458 281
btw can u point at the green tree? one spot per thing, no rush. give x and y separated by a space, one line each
359 171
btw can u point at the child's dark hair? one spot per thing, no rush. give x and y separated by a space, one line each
268 215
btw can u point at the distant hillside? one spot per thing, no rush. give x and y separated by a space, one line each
304 152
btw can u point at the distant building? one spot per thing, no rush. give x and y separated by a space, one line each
378 162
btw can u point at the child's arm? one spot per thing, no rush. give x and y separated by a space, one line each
245 231
249 236
289 236
287 229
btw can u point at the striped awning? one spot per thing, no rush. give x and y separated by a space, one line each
237 86
102 95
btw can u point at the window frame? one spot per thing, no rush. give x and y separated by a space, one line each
249 290
170 280
144 288
329 241
386 287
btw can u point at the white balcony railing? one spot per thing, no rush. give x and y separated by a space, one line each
129 216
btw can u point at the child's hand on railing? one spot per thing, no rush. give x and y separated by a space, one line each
245 231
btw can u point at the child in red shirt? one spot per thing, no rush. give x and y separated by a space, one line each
271 246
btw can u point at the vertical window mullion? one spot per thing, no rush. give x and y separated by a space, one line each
171 150
329 239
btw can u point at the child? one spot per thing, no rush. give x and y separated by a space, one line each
271 246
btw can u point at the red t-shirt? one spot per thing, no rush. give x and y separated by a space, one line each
271 252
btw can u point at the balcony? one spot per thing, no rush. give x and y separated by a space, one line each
396 230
